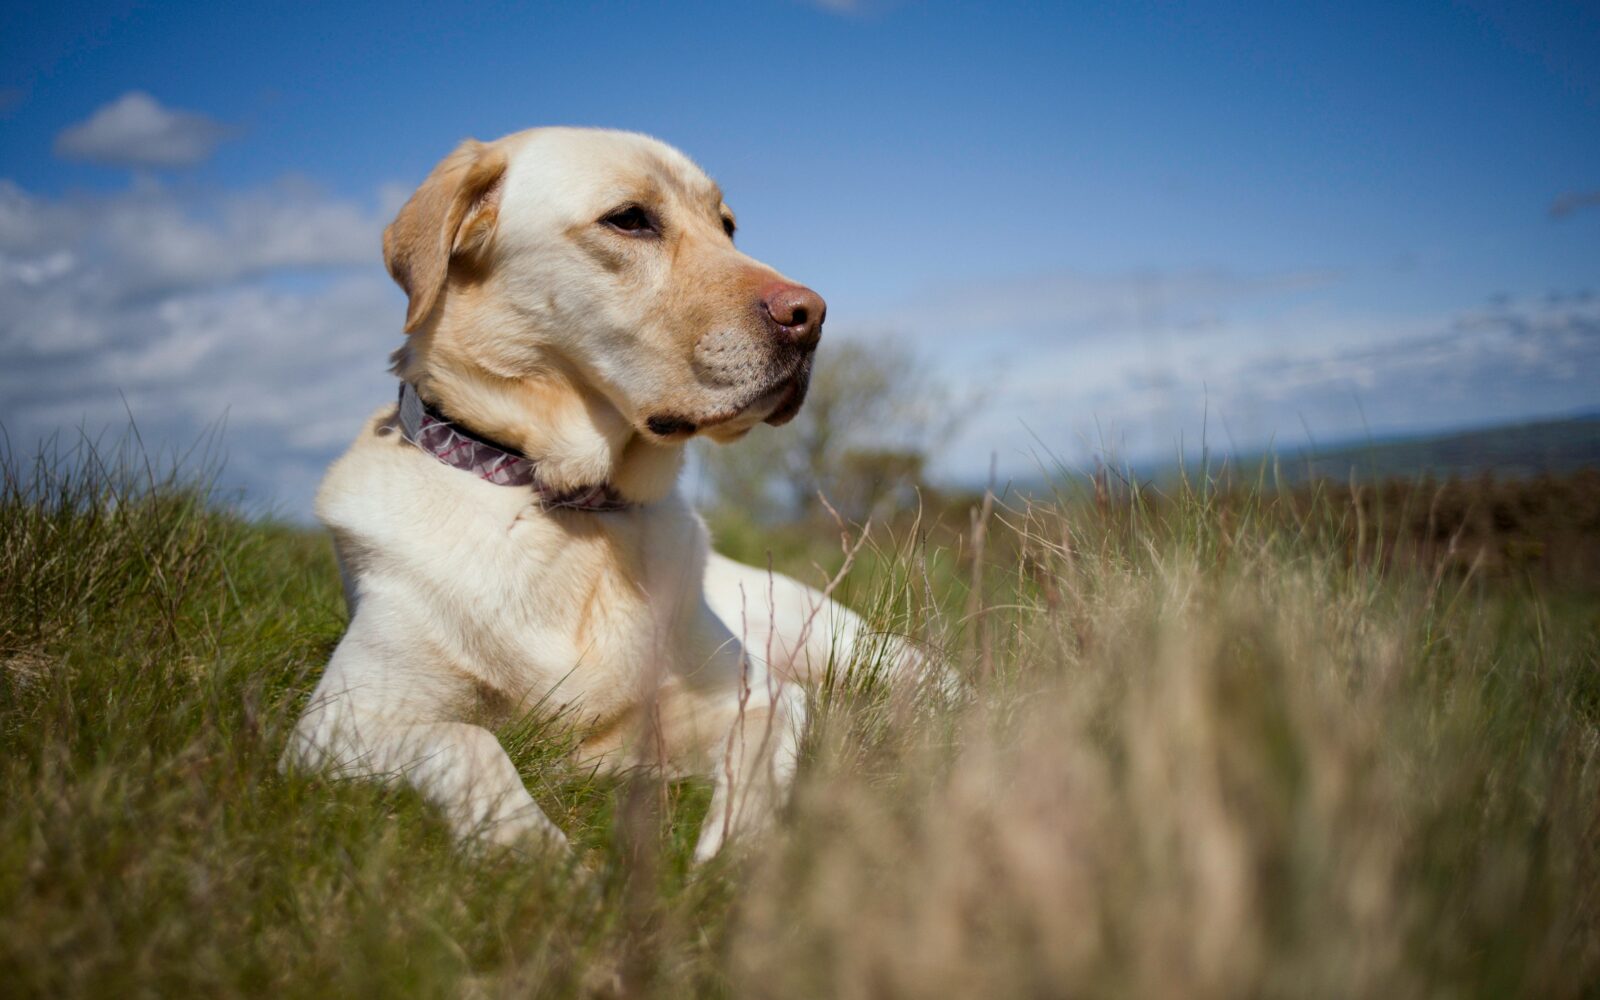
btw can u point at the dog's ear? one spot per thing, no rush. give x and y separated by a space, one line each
450 215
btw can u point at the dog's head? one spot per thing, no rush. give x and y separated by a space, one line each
609 257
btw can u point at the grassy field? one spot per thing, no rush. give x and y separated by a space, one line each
1212 743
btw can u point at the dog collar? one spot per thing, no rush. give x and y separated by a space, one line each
456 446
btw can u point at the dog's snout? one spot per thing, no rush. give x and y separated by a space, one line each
795 313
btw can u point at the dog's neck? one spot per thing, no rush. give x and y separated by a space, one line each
575 437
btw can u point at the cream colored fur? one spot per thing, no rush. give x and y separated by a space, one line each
535 322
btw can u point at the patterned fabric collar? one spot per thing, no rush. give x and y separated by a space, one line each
457 447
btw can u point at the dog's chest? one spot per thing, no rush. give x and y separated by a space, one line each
466 580
574 609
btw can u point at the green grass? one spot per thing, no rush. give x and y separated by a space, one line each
1210 746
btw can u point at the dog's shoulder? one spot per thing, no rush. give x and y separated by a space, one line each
382 485
364 471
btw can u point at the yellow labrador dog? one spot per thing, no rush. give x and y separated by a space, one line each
509 533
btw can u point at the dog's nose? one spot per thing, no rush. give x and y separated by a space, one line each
796 314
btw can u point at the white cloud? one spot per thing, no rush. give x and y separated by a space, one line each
1573 201
856 8
266 307
1071 304
1143 364
75 270
136 130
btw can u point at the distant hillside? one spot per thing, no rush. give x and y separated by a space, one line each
1510 451
1515 451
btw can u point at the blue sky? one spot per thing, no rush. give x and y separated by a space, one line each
1117 223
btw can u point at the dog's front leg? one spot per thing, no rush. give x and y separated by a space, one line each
365 721
740 727
753 760
460 768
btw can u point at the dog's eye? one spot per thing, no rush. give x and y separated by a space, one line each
632 219
728 226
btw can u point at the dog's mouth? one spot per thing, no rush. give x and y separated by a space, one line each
789 396
775 404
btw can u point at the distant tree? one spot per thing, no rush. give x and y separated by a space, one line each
861 439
